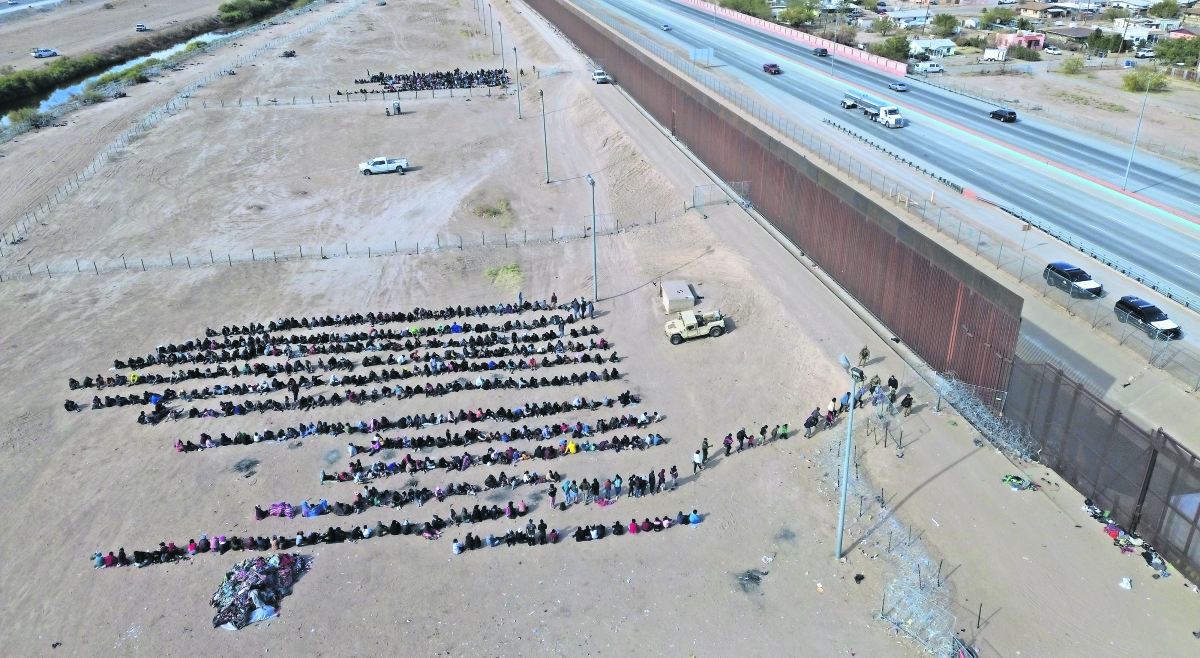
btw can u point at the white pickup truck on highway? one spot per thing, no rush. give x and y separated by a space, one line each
888 115
383 165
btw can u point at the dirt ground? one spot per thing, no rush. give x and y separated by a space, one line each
232 178
1094 102
77 27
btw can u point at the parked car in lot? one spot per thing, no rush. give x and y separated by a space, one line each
1147 317
1144 53
1072 279
1007 116
600 77
773 69
820 52
1052 50
898 86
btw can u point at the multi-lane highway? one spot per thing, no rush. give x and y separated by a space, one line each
952 135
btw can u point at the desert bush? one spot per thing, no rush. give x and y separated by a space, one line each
1024 54
1139 79
1072 65
896 48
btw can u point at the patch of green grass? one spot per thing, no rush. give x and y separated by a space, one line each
509 277
1138 80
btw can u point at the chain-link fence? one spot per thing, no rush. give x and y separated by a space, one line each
608 224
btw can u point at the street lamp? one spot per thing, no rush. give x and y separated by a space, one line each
1133 149
502 60
545 138
517 68
595 269
856 378
489 13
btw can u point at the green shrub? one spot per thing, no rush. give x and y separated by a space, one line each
30 116
20 84
1139 79
1164 9
1024 54
135 75
757 8
896 48
1072 65
243 11
89 96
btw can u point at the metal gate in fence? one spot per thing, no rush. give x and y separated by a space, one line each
711 195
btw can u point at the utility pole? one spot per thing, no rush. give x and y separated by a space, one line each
517 68
493 29
595 268
856 378
503 66
545 137
1133 149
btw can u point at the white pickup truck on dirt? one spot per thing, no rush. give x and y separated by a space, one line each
383 165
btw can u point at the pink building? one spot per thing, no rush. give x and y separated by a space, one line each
1034 40
1181 33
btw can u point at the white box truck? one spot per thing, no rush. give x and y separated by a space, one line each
876 109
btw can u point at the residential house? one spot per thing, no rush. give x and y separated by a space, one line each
1034 40
908 18
1076 34
1042 10
1181 33
931 47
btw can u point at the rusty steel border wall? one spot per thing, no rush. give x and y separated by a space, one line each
1147 481
953 315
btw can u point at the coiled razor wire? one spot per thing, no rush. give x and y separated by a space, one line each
914 602
1008 436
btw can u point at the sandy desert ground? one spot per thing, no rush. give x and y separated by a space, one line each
275 175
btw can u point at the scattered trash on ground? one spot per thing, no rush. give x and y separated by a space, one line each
1126 583
252 589
1019 483
751 579
1128 542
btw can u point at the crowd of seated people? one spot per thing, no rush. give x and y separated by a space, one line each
257 339
372 497
481 342
456 79
356 472
168 552
373 425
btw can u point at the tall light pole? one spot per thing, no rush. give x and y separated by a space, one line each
1149 82
489 12
517 68
545 137
503 65
856 378
595 268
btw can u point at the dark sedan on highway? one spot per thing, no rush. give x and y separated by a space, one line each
1006 116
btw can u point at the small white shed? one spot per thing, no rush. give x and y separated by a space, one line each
677 296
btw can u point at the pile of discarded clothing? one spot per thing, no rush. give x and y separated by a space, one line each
1128 542
252 590
1019 483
